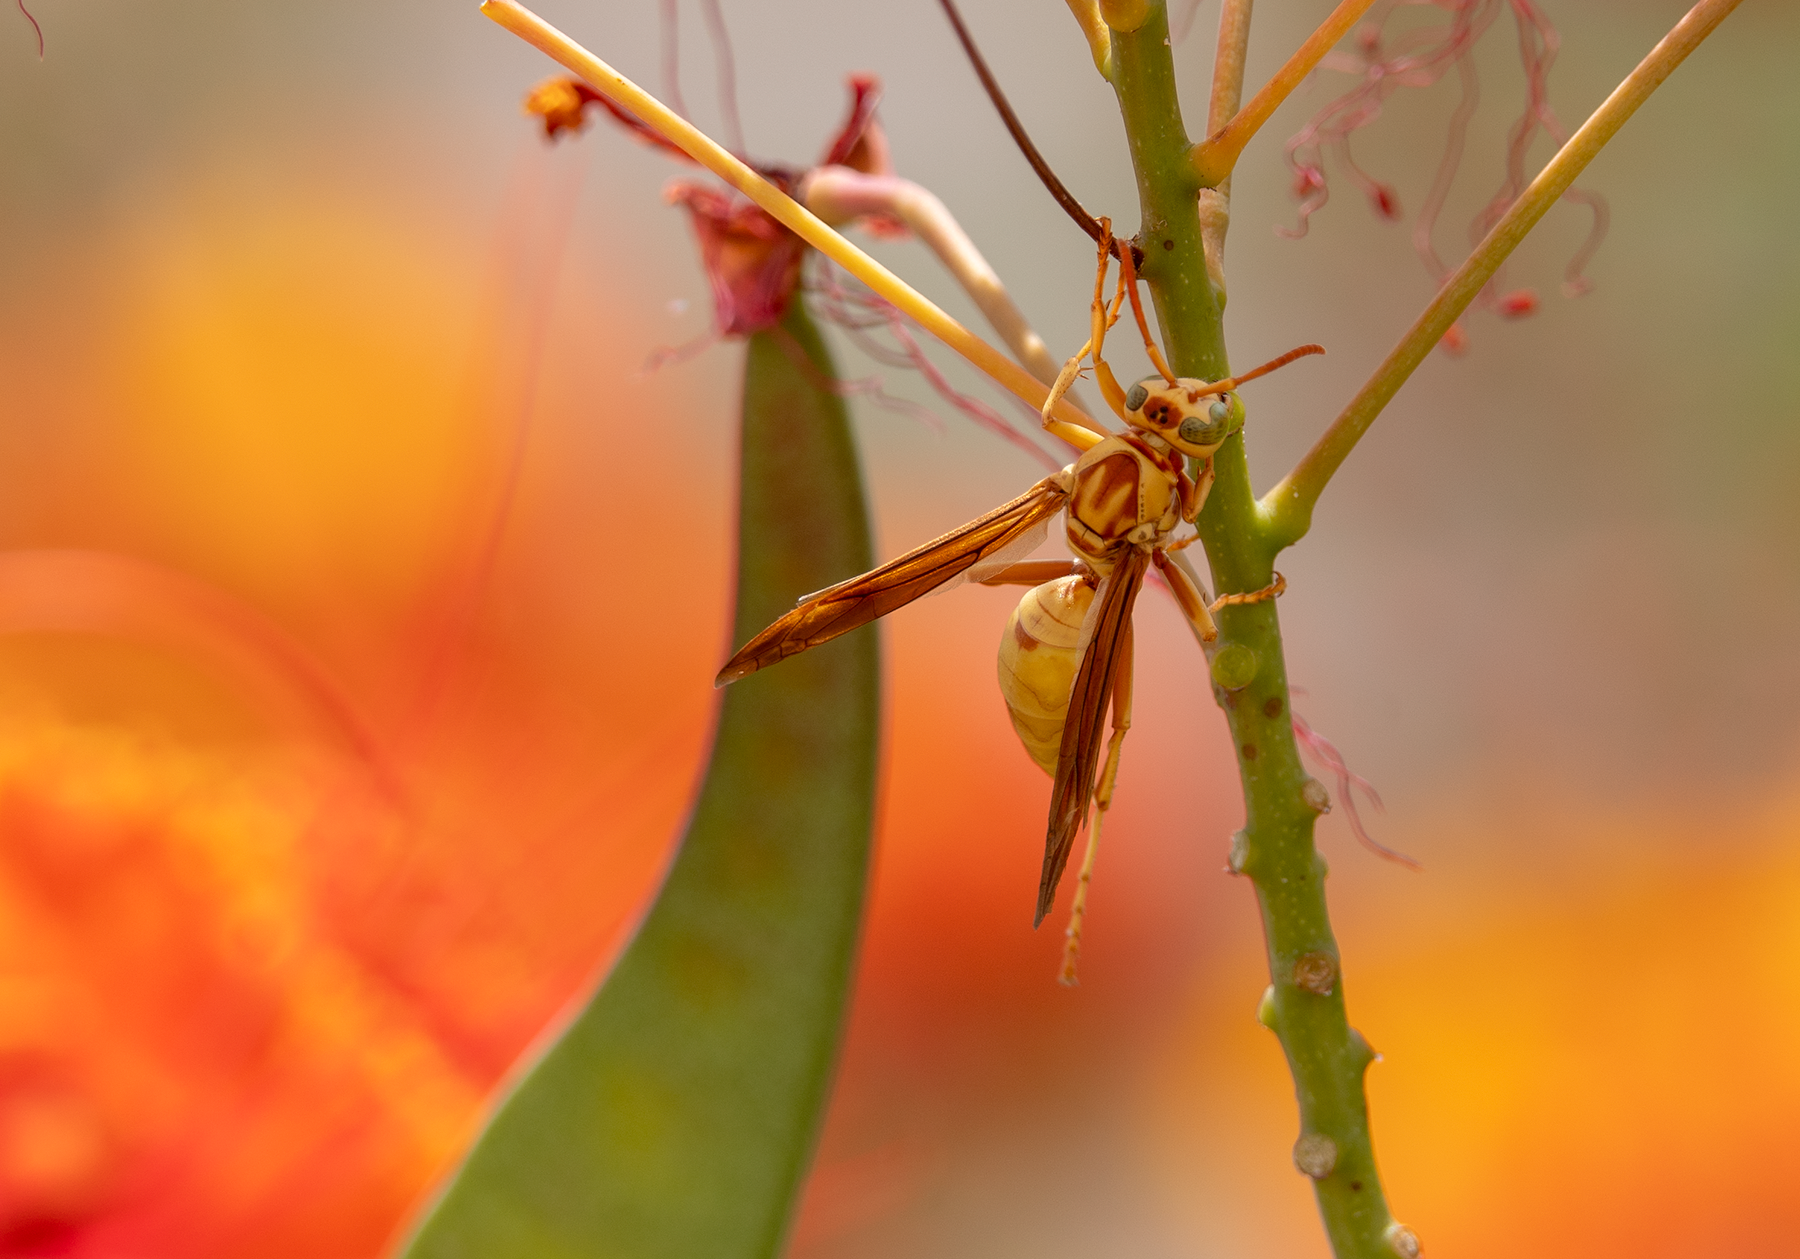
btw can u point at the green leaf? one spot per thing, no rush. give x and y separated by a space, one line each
677 1115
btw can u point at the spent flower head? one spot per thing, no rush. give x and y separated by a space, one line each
752 260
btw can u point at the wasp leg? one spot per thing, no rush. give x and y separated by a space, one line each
1194 492
1202 488
1128 281
1030 573
1271 591
1188 595
1072 368
1104 317
1121 718
1071 371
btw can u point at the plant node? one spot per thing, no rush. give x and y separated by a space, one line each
1315 1154
1125 15
1239 858
1315 796
1317 973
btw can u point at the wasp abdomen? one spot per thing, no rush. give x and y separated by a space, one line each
1039 655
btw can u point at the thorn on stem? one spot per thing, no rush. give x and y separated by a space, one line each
1265 1008
1315 796
1238 859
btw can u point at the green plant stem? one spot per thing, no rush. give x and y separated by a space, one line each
1288 507
1275 849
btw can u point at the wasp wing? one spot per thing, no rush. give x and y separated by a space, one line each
1084 729
843 607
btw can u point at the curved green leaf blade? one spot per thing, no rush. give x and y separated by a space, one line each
676 1116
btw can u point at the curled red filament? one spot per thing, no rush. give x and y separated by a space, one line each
1419 56
34 26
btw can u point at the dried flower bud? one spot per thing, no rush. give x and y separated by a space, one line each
561 104
752 261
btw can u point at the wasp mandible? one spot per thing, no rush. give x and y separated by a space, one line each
1066 655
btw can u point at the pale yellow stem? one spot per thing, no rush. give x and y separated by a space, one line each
1099 35
801 221
1214 157
1227 95
1228 63
1125 15
1287 509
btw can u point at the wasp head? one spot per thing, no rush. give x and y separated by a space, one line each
1183 414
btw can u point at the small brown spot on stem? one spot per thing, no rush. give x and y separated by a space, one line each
1168 244
1249 751
1316 972
1272 707
1356 1186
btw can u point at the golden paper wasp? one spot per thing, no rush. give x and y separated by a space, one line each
1066 655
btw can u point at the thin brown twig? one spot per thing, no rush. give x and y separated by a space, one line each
1064 198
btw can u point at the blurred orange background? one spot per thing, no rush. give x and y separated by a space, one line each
337 752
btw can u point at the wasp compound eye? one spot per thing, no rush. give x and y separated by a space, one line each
1194 433
1220 411
1135 396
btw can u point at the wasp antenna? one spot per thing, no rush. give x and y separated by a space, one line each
1273 365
